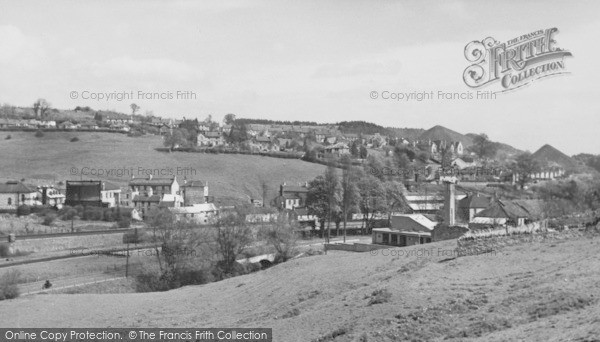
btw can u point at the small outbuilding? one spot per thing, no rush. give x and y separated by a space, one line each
405 230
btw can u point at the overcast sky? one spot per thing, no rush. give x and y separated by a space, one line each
304 60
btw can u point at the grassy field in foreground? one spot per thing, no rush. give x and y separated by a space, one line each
534 292
51 158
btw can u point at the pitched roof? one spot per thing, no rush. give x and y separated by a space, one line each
109 186
475 201
301 211
153 198
153 181
195 209
294 188
193 184
336 146
504 209
535 208
13 187
412 222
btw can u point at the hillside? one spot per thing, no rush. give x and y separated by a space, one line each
504 150
443 133
406 133
544 291
51 157
549 155
363 127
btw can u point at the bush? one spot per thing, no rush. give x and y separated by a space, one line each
380 296
93 213
136 237
8 137
150 282
79 209
67 213
4 250
74 139
109 215
194 277
39 134
41 210
23 210
49 219
8 285
124 222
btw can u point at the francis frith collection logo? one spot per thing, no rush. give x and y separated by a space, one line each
514 63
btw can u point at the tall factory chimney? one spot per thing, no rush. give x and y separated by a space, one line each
449 201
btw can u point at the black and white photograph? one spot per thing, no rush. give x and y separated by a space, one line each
299 171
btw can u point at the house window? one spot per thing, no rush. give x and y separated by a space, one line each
9 201
22 198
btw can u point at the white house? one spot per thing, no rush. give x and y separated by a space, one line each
14 194
203 213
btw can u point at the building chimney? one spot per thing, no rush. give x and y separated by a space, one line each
450 204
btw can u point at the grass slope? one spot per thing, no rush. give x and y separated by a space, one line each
533 292
52 156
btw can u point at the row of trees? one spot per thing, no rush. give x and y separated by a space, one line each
334 198
189 254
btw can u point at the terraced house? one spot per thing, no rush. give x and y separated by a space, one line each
148 193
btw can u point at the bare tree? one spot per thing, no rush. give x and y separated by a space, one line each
176 243
134 108
524 167
233 235
334 195
281 235
350 193
264 188
394 199
40 108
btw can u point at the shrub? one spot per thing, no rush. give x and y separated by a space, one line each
8 137
74 139
39 134
124 222
4 250
67 213
194 277
135 237
49 219
93 213
23 210
8 285
41 210
380 296
79 209
150 282
109 215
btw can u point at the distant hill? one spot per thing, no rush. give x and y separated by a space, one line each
443 133
552 156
